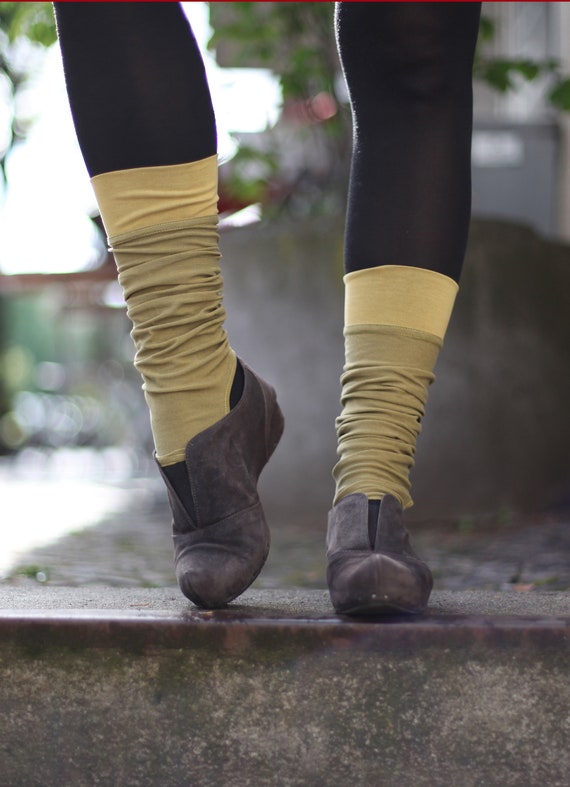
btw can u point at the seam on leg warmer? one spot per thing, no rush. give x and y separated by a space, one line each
130 199
400 295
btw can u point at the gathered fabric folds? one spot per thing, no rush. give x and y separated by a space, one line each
173 286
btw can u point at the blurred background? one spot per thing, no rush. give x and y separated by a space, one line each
80 501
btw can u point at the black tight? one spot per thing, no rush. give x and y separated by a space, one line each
408 68
136 84
140 98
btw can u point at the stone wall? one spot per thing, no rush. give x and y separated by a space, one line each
496 432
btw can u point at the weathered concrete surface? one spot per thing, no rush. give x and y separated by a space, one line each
497 422
114 687
292 603
496 432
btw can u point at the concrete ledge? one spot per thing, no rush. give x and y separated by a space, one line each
126 618
104 686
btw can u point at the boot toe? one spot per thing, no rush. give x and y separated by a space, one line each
218 564
374 570
374 583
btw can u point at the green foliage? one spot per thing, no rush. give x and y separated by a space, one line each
560 94
39 573
251 171
486 29
295 40
25 30
499 73
504 74
34 21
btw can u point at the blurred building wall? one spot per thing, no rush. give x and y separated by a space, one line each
496 431
564 187
521 144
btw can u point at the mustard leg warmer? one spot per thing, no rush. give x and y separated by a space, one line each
162 228
395 322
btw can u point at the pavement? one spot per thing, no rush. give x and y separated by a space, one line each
109 676
294 604
135 686
128 543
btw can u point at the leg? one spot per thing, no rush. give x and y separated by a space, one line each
136 85
408 70
145 122
408 67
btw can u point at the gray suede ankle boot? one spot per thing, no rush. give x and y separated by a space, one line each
371 566
221 538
